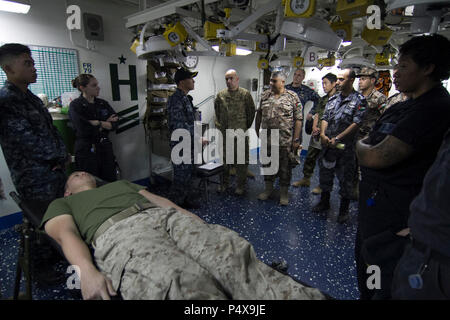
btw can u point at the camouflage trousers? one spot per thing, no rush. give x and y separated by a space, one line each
310 162
241 169
165 254
284 169
344 168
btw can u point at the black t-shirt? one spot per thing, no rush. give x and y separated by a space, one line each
421 123
430 211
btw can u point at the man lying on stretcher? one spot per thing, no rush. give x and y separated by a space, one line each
149 248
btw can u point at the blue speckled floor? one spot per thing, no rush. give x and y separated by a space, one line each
318 251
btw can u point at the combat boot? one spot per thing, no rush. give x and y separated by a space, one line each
222 188
267 191
324 203
343 211
250 174
302 183
316 190
240 189
284 196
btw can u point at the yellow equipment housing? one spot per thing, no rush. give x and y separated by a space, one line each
263 63
298 62
175 34
343 30
377 37
351 9
210 30
299 8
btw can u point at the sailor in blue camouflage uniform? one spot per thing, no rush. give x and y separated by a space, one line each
182 115
304 93
340 123
33 148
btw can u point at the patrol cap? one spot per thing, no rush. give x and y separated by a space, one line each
182 74
369 72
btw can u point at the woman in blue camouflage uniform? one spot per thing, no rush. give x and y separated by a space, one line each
93 119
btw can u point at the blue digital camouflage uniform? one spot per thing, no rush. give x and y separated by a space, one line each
305 94
181 115
31 144
340 113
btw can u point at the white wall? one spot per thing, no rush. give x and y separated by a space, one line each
45 25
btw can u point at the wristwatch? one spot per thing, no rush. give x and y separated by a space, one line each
297 140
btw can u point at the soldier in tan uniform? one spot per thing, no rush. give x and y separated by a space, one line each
280 109
235 109
376 102
375 99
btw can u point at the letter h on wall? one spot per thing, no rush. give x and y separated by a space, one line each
116 83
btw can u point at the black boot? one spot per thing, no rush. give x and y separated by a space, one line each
343 211
324 203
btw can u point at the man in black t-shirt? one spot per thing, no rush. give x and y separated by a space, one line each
396 155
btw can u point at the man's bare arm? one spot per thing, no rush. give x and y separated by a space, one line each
323 127
165 203
385 154
258 121
348 131
94 285
298 129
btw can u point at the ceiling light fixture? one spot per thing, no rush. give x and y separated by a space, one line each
16 6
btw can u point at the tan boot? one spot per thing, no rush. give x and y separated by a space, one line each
233 171
267 192
317 190
239 191
302 183
284 196
222 188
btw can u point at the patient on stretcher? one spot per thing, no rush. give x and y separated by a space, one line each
146 247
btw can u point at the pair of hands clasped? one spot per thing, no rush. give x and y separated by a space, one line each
327 142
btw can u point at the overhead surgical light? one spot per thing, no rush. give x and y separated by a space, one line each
313 30
356 62
239 51
283 64
16 6
152 45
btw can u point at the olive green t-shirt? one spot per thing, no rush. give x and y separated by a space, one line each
92 207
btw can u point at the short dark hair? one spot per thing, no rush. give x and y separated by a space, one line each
10 50
331 77
426 50
352 73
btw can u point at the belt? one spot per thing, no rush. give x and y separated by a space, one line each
136 208
433 253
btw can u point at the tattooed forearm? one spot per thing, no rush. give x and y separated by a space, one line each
387 153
